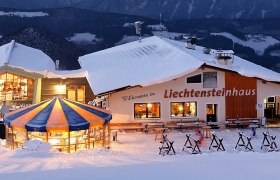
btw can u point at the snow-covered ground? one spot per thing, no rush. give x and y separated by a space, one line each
127 39
84 38
275 53
259 44
135 156
23 14
168 35
157 27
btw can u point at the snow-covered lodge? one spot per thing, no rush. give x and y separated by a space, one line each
164 80
29 76
156 79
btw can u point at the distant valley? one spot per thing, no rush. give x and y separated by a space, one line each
88 31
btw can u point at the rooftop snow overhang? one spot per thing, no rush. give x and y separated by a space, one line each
19 71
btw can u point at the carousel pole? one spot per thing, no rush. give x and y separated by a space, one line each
7 135
27 138
68 150
13 140
103 135
109 135
47 136
88 138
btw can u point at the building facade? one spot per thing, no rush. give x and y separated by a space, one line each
208 93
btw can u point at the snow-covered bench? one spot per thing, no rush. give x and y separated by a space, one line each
242 122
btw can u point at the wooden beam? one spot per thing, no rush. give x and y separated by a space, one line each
109 135
47 136
13 141
27 138
103 136
7 134
68 150
88 139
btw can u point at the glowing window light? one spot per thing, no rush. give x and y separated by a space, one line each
180 108
149 105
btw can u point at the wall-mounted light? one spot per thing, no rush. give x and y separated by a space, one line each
61 89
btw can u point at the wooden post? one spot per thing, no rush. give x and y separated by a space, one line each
103 136
109 135
68 150
13 141
7 135
47 136
88 146
27 138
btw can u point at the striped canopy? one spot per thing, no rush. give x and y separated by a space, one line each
57 115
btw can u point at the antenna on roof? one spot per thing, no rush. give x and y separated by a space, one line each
160 25
138 29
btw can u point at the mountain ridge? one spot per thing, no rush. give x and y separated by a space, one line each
170 9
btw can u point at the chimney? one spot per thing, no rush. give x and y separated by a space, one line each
190 43
225 57
138 29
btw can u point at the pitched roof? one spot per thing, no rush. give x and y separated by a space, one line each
33 60
156 60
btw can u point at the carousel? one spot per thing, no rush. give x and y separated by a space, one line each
67 125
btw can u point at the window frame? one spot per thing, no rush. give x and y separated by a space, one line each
201 79
76 91
183 117
203 74
146 118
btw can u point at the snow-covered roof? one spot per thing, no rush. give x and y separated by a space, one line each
33 60
21 56
156 60
146 63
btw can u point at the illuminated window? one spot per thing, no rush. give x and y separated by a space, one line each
76 93
81 93
15 87
183 109
147 110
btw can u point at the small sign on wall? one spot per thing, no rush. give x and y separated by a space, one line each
259 106
104 104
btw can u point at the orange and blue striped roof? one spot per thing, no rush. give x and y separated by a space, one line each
57 115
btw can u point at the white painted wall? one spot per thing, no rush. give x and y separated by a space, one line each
266 90
123 111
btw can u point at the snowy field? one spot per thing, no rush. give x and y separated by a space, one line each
135 156
24 14
84 38
259 45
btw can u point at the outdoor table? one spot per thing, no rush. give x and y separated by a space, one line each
159 133
254 127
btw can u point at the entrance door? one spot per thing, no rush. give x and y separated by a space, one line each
211 112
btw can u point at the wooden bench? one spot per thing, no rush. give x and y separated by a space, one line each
150 126
242 122
136 126
185 124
